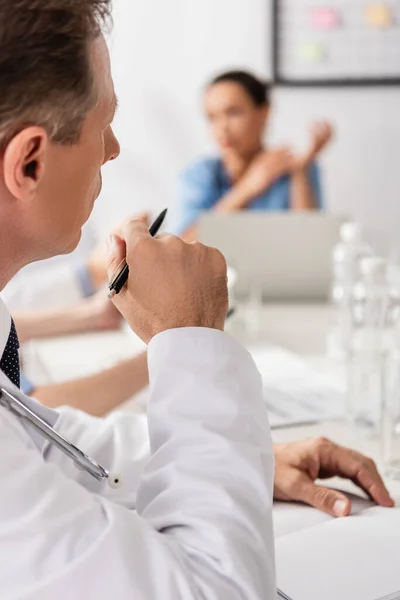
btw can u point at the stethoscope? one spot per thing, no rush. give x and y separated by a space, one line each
83 462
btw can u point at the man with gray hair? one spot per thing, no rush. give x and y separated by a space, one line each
193 519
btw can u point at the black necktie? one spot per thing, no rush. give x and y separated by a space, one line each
9 362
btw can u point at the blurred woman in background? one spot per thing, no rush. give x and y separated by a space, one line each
247 175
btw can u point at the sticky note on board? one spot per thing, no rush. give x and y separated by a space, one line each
325 17
313 52
379 15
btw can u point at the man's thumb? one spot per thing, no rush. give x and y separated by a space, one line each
116 249
329 501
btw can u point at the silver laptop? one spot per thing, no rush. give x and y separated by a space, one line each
287 255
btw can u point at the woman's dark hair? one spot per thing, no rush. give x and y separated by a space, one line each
259 91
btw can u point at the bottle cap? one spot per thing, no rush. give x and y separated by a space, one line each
350 232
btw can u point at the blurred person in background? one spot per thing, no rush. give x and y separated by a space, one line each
89 314
65 282
96 394
247 175
66 297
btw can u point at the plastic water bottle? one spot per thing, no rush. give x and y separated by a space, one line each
390 433
346 259
371 340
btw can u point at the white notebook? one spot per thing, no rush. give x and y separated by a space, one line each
321 558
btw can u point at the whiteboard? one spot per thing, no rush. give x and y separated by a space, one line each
336 42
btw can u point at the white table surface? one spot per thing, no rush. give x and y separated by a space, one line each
299 328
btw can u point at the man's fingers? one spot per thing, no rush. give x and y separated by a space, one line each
126 236
329 501
361 470
368 478
116 254
134 230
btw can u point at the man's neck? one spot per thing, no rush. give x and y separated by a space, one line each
11 260
6 274
14 245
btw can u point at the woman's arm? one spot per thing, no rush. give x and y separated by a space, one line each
306 187
261 174
101 393
94 314
302 193
236 199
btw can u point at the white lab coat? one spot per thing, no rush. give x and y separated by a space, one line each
193 521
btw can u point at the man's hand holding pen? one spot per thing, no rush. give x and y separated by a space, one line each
172 284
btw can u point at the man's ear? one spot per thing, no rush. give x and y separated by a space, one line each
24 162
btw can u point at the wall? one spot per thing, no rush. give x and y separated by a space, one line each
163 52
362 168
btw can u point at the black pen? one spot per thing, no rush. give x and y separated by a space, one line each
231 312
120 280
